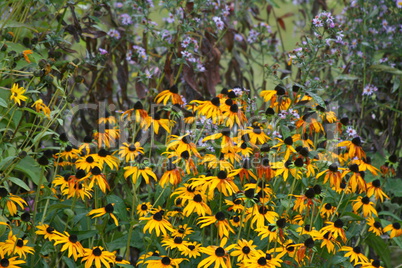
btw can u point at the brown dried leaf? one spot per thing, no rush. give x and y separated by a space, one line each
189 77
281 23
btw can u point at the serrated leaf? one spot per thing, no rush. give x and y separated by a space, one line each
29 166
19 182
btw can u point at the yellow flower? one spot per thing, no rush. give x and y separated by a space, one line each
354 254
40 106
109 208
395 229
10 262
11 201
221 222
217 255
244 250
47 231
97 256
14 245
164 262
70 243
192 250
171 93
130 151
135 172
368 206
17 94
158 223
375 226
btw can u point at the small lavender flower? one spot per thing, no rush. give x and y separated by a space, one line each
369 89
102 51
114 34
126 19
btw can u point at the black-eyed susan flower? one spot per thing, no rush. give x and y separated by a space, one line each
192 250
371 264
70 243
181 144
354 148
209 109
108 209
136 172
327 210
365 164
157 122
287 143
11 201
259 214
185 192
97 256
41 107
197 204
304 201
214 162
87 163
169 94
138 113
220 221
234 116
264 260
86 145
10 262
375 226
221 182
164 262
16 246
356 180
143 257
182 231
17 94
256 135
335 229
270 232
120 260
243 250
106 135
395 229
158 223
366 204
309 122
105 157
236 205
308 230
354 254
329 242
227 141
69 153
244 172
332 174
172 175
217 255
47 231
130 151
265 171
374 189
174 242
244 150
97 178
144 208
77 190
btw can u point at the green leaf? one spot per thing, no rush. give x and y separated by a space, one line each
385 68
387 213
347 77
317 98
380 247
19 182
3 103
70 263
29 166
16 24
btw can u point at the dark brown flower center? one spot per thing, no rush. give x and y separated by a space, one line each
333 167
178 240
215 101
222 175
396 225
366 200
288 141
246 250
328 206
165 260
357 250
338 223
281 223
73 238
97 252
262 261
220 252
49 230
191 247
197 198
20 243
96 171
89 159
157 216
109 208
4 262
220 216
